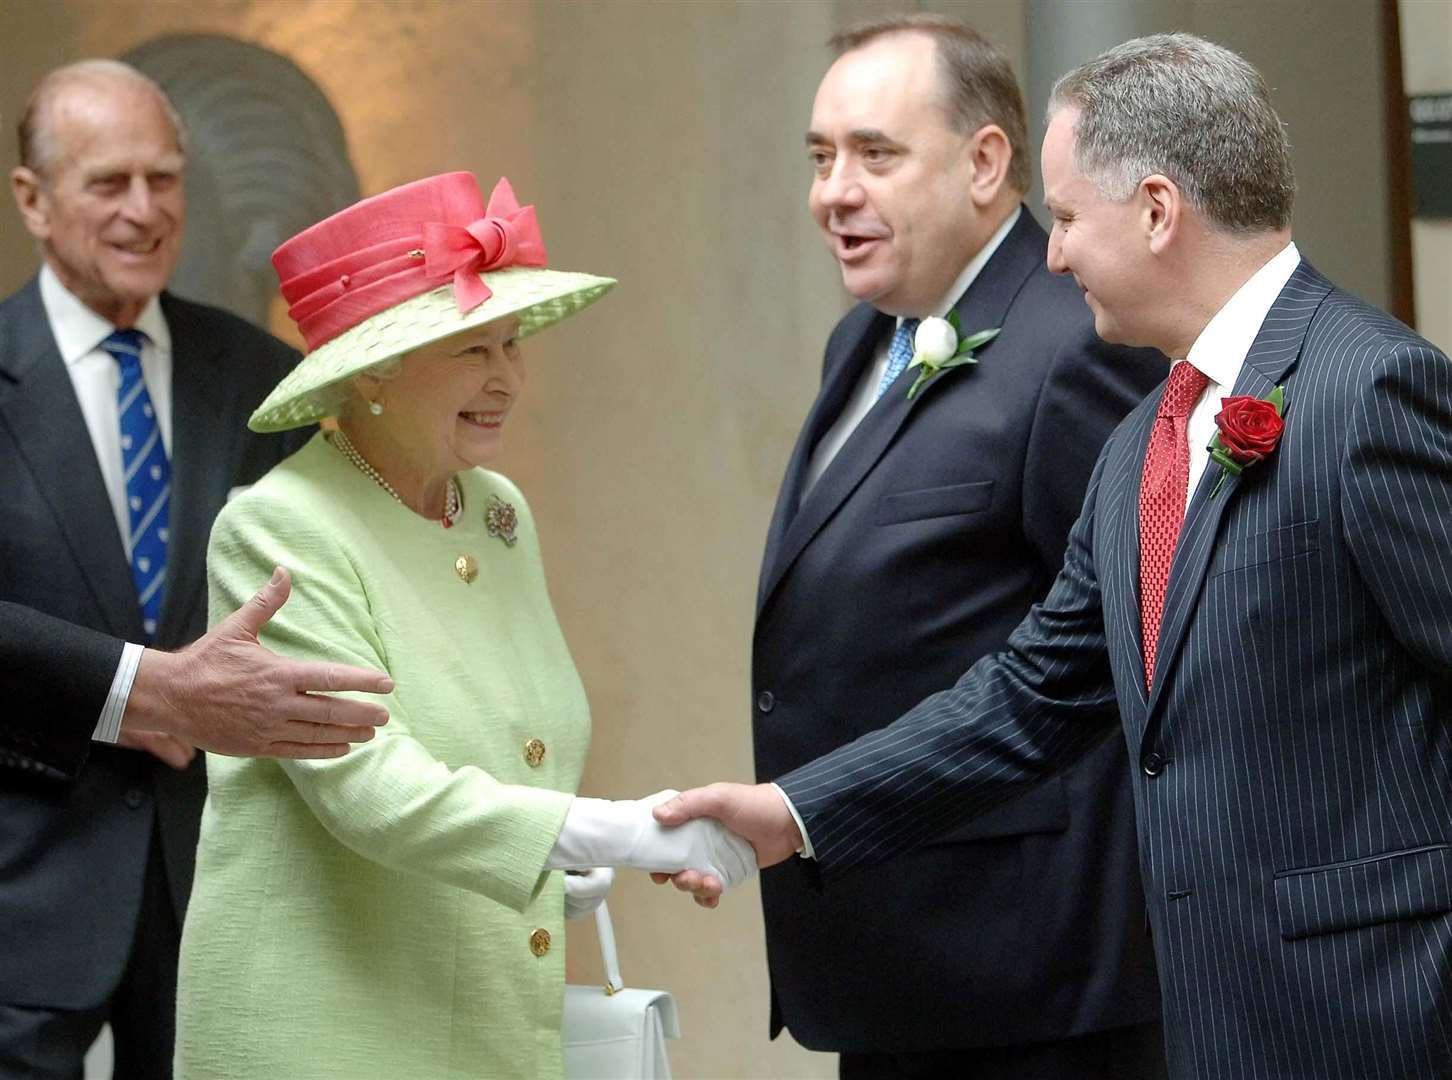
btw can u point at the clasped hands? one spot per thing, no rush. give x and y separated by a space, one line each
755 813
686 837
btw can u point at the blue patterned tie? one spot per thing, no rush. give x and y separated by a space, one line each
148 477
898 353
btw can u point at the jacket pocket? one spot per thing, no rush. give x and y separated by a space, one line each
1406 884
1274 545
1043 808
934 502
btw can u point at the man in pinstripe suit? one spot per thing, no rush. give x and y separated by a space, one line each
1288 703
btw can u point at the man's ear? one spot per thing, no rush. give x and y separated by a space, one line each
991 155
1162 211
31 200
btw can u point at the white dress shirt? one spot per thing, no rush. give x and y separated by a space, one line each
864 395
1219 353
96 377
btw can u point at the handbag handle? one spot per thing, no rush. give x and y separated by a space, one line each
605 931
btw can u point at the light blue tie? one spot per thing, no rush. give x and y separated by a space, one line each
898 353
148 477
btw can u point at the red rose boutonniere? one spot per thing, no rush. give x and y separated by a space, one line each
1249 431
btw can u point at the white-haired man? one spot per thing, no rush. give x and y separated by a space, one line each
122 428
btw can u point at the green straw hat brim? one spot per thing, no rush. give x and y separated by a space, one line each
537 297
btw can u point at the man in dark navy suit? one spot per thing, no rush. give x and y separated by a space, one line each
1257 593
910 536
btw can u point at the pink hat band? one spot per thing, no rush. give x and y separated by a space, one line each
405 242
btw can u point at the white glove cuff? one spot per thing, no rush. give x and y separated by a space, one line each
597 832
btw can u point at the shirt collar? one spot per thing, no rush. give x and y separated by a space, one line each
1221 348
79 331
975 265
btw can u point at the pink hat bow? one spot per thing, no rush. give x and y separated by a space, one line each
507 235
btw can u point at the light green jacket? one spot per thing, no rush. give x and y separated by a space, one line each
379 914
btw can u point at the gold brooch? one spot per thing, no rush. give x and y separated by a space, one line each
501 520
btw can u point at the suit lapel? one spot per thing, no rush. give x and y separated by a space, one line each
203 444
1275 350
38 404
862 330
1127 534
984 305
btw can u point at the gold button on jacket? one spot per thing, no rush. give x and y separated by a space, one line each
467 567
539 942
534 752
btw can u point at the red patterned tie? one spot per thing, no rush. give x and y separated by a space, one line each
1162 493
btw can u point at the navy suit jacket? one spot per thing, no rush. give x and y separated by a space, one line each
73 855
936 526
1292 762
54 679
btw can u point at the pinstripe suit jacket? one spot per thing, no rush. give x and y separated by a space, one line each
1293 760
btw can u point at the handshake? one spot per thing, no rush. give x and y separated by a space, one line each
706 840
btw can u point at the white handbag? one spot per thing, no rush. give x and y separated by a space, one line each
614 1033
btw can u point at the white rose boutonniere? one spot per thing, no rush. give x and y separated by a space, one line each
937 348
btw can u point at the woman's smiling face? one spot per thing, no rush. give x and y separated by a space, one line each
445 409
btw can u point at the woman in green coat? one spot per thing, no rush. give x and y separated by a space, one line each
394 912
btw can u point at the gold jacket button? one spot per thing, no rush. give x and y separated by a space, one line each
467 567
539 942
534 752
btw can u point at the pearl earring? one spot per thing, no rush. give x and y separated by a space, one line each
376 408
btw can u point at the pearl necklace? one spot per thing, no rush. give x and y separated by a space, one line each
453 501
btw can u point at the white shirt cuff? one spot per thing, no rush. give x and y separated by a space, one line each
108 727
805 851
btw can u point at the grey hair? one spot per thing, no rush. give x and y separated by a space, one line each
37 143
334 398
1188 109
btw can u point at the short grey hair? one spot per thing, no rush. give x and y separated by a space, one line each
37 143
338 399
1191 110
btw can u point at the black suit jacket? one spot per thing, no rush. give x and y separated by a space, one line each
1293 759
54 678
72 856
937 525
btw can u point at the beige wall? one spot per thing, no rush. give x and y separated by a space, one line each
1427 69
662 144
1321 59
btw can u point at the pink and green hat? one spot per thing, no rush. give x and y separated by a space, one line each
400 270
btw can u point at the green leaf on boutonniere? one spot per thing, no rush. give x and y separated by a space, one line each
983 337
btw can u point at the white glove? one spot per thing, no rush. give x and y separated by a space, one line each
585 890
605 832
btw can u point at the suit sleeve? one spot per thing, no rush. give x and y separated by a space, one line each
1015 717
1396 498
1089 388
389 799
54 677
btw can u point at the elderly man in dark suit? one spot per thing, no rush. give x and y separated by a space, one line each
1258 586
122 429
910 536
